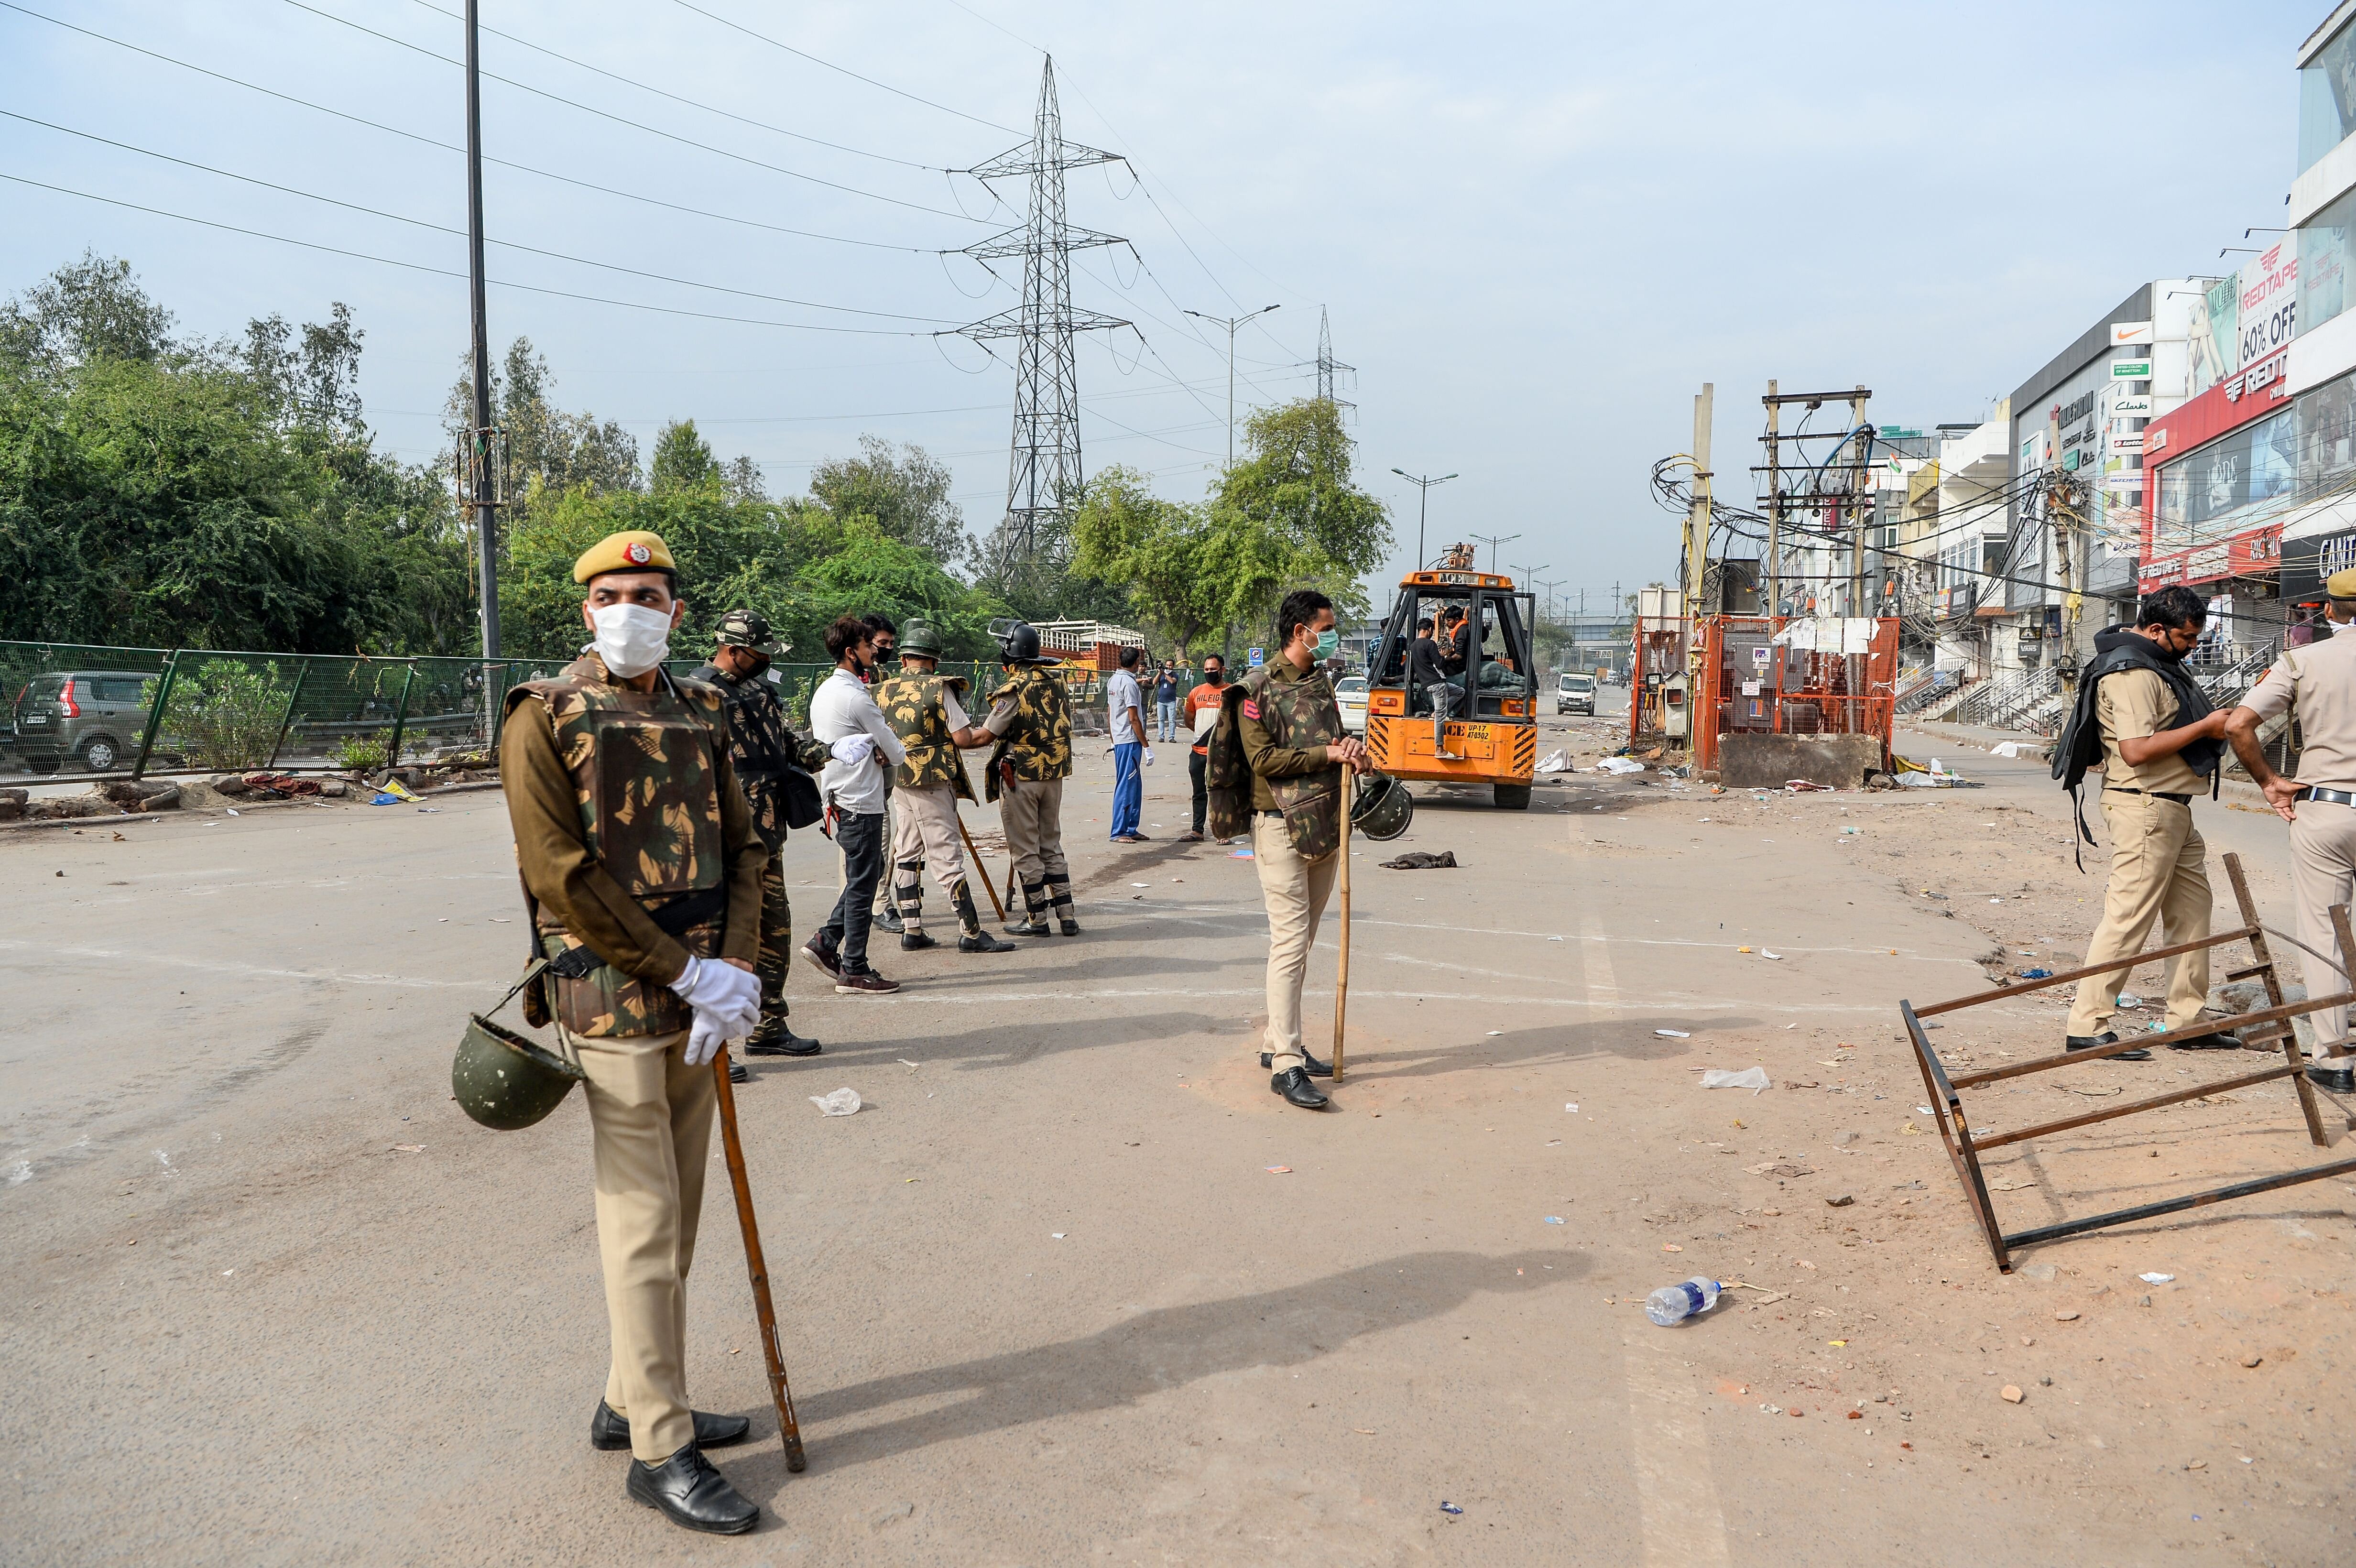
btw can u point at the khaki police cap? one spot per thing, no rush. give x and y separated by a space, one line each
2341 584
634 549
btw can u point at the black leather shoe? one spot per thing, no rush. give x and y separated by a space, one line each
2213 1040
693 1494
783 1042
982 942
1294 1085
890 921
738 1072
917 941
610 1432
2108 1037
1034 927
1314 1068
1071 926
2338 1079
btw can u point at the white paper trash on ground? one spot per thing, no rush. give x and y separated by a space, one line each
2007 749
1618 765
1753 1078
1555 762
841 1103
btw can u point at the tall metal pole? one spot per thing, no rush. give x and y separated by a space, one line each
487 536
1425 485
1698 539
1860 501
1774 511
1231 323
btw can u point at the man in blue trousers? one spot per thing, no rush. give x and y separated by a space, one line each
1125 717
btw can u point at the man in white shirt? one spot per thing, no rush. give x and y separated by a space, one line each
1125 716
844 717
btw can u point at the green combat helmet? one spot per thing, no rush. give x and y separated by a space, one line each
920 638
1383 808
748 629
503 1081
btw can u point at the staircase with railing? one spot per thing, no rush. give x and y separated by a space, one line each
2007 699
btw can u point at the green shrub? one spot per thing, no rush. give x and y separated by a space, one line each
355 754
225 714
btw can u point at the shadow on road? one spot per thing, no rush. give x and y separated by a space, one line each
1162 1350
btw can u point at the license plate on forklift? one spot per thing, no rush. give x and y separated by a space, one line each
1472 743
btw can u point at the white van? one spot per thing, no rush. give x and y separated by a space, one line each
1575 694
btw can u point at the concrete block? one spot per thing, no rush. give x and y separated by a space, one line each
1751 760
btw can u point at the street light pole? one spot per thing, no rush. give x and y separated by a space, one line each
1231 323
1493 541
1422 505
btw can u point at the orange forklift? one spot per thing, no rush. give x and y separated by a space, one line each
1490 733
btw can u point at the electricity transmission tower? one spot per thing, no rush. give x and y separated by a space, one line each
1327 364
1044 476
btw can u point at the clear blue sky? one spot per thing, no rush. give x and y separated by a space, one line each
1537 228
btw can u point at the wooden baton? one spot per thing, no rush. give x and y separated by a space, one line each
756 1264
981 872
1341 977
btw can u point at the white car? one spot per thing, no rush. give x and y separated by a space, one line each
1350 694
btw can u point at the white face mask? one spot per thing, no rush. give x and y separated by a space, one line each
631 638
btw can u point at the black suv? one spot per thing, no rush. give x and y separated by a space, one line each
94 716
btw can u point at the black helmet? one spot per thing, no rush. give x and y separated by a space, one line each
1017 642
1381 809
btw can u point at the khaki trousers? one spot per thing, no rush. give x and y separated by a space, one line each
1294 889
651 1120
925 828
1033 816
2158 872
2323 873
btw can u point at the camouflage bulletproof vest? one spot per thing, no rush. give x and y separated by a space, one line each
912 705
645 776
1038 747
1300 715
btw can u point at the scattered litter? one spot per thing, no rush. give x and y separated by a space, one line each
1852 830
2035 974
1843 1201
1449 1507
1764 954
841 1103
1573 1106
1495 1032
1838 1344
1554 939
1618 765
1278 1169
233 811
1674 1033
227 1272
2129 999
1671 1247
1555 762
1420 861
2065 1317
1554 1219
1140 884
1754 1079
906 1062
1055 1235
1240 854
2155 1278
1742 950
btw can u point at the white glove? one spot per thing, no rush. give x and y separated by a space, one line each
727 1003
1149 756
854 748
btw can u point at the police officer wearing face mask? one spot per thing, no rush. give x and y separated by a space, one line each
763 748
643 874
1198 713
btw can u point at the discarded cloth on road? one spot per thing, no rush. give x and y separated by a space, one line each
1417 861
1618 765
1751 1078
1555 762
841 1103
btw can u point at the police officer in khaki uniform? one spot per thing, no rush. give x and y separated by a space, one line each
2161 743
636 844
1033 723
2317 685
925 710
1293 740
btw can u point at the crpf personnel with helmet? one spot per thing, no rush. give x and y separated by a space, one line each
926 711
2317 685
764 749
642 870
1294 742
2159 745
887 659
1033 721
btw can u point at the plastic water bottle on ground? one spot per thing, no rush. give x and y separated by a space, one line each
1675 1303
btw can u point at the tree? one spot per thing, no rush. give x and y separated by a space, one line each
84 312
318 382
1160 550
903 489
683 460
548 449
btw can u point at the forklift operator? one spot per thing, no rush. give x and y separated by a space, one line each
1426 672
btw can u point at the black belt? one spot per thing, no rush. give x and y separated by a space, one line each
1267 813
2154 793
674 919
2328 796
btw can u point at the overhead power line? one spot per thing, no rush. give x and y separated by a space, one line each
844 70
447 273
637 125
445 229
453 147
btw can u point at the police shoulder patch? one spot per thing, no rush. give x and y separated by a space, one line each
1251 709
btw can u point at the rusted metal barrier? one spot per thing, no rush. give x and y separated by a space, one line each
1965 1145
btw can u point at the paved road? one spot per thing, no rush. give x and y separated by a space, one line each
273 1300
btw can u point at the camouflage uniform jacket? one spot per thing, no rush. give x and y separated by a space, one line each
1038 746
762 746
912 706
633 838
1284 721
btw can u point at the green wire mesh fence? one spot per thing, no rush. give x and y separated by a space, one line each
78 711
